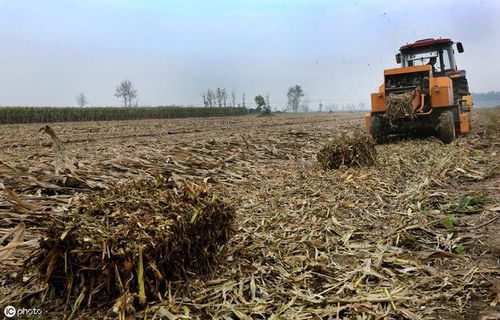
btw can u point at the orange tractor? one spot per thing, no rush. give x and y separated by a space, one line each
428 92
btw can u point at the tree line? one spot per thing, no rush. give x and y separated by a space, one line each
221 97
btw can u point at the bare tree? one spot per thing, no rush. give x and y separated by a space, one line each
233 98
126 91
205 101
224 97
243 96
267 106
294 95
210 98
219 96
81 100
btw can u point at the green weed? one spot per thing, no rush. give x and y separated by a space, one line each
467 204
449 222
459 248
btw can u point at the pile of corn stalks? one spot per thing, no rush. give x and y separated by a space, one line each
354 150
399 106
129 241
403 239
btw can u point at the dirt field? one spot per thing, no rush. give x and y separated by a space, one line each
413 237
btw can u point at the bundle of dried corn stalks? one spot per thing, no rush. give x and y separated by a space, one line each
131 239
354 150
399 105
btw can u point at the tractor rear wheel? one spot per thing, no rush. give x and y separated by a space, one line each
446 127
377 129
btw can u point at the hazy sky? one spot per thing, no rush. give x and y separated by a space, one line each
173 50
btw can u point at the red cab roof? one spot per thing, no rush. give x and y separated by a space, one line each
425 43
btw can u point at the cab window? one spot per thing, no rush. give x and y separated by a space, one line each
446 60
420 58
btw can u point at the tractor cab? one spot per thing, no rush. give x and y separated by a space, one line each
422 51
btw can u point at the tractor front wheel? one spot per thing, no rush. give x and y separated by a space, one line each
446 127
377 129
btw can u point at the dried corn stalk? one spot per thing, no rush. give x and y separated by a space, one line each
400 106
61 160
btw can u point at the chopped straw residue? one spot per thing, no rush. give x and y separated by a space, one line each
132 238
400 105
349 150
405 239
